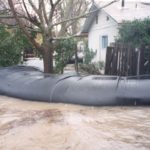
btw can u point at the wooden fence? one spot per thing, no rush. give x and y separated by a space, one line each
124 60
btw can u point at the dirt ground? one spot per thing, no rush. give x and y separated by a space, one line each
26 125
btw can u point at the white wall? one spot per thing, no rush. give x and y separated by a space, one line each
104 27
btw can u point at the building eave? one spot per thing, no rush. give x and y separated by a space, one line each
89 20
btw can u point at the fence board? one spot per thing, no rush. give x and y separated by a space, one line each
122 60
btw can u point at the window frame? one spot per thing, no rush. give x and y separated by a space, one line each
96 19
104 41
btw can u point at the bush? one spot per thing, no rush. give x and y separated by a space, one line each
136 32
88 55
93 68
9 54
88 67
64 51
12 43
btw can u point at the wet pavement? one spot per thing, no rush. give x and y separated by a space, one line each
26 125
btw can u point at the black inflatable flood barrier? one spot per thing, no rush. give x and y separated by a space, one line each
32 84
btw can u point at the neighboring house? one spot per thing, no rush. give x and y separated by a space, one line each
6 17
102 26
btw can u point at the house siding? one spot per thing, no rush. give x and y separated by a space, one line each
103 28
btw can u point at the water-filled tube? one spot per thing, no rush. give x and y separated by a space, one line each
32 84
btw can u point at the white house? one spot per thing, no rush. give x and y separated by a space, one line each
102 25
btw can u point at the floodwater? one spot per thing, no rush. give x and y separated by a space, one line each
26 125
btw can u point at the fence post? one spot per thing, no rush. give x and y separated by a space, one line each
138 62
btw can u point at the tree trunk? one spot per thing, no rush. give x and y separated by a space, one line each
48 57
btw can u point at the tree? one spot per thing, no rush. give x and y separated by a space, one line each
136 35
137 32
45 16
12 43
70 9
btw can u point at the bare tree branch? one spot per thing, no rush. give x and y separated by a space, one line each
44 12
53 6
29 17
21 25
25 7
51 2
64 38
34 7
40 14
20 16
84 15
40 4
57 2
9 17
51 16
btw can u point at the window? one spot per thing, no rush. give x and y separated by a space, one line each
107 18
104 41
96 19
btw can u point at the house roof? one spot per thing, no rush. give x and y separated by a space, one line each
89 20
131 11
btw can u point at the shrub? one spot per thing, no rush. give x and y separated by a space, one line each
93 68
88 67
12 43
88 55
136 32
64 51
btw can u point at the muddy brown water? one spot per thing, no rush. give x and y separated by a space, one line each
26 125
